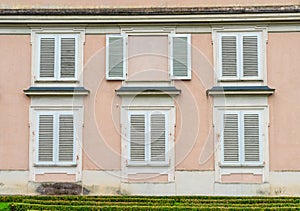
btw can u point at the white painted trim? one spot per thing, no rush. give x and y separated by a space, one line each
239 31
149 103
74 167
257 168
57 33
147 30
181 28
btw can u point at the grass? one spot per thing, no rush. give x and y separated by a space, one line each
4 206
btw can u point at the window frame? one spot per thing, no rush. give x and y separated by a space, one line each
56 115
124 37
170 54
241 143
239 34
57 56
189 56
147 114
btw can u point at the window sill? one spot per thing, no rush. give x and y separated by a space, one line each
54 165
233 165
147 165
240 80
56 80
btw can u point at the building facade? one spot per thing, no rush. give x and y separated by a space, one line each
150 98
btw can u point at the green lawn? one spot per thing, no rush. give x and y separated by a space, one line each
4 206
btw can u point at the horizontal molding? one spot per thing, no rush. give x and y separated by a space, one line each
240 90
179 28
71 91
139 19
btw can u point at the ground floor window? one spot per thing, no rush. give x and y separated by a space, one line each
148 136
241 137
55 137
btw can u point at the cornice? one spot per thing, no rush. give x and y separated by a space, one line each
155 10
152 15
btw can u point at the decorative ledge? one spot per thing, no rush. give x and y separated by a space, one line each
240 90
69 91
159 90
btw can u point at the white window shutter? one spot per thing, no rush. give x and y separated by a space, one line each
229 56
181 56
158 137
115 58
137 138
231 138
67 57
45 138
66 138
47 57
250 56
251 137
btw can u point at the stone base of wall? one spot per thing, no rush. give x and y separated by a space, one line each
185 183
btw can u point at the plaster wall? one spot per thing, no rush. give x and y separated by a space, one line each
101 132
15 71
283 75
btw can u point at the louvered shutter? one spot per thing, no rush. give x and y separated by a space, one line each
137 137
251 138
45 138
66 138
229 56
250 56
67 57
115 69
231 138
180 57
47 57
158 137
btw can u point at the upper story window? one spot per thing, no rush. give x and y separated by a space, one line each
178 59
240 55
57 55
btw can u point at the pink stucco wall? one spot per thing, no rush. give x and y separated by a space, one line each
194 134
101 134
283 75
136 3
15 71
148 58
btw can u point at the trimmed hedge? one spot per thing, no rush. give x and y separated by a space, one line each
132 203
